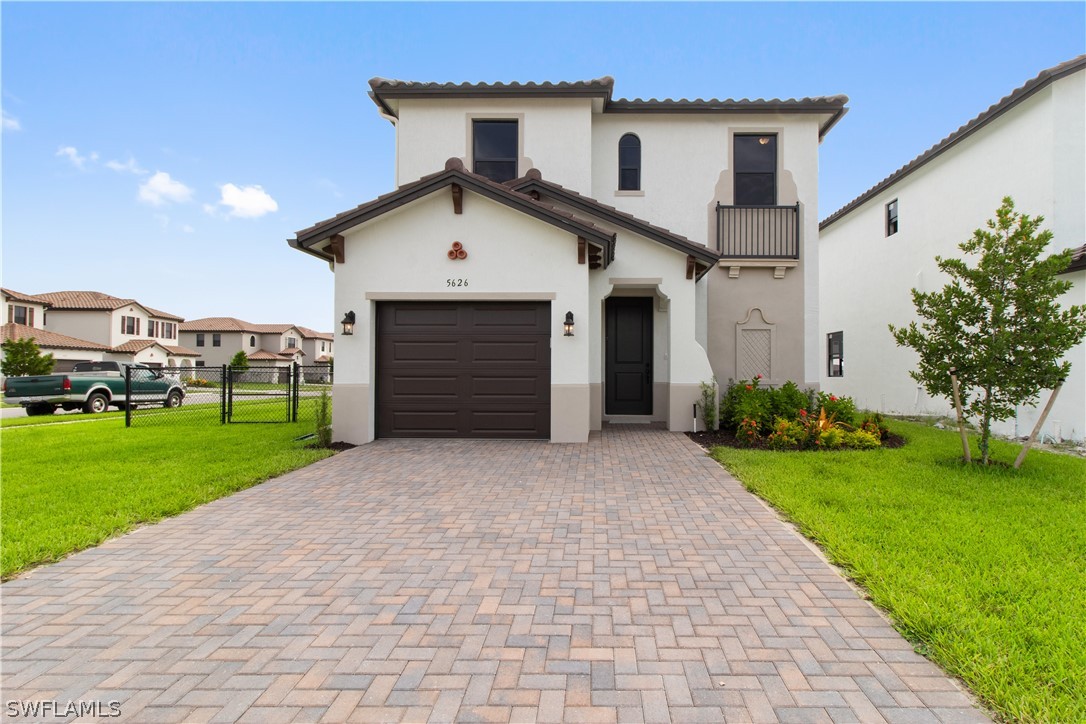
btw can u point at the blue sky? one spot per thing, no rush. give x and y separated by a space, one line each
166 151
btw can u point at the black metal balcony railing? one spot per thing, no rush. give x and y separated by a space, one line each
757 232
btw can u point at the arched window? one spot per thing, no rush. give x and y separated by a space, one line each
252 340
629 163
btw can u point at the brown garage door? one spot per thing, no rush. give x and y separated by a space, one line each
463 369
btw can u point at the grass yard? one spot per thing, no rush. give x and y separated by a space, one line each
983 569
65 487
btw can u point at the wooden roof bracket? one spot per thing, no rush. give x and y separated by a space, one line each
582 250
335 245
458 198
691 266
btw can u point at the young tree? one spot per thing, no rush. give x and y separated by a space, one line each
23 357
239 362
998 322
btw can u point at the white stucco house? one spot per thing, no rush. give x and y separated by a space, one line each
82 326
219 339
1031 145
553 258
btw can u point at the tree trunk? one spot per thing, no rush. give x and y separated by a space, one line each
986 424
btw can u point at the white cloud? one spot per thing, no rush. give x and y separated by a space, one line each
72 154
246 202
11 123
129 166
161 189
187 229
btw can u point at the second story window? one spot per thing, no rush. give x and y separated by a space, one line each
252 340
152 328
494 149
292 342
216 340
130 325
629 163
755 170
199 339
891 218
21 315
169 330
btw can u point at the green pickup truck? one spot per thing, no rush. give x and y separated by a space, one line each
93 387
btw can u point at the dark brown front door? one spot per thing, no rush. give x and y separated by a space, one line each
463 369
628 366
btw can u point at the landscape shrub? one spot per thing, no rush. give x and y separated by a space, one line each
746 400
830 438
787 435
860 440
747 432
841 409
875 424
709 404
787 400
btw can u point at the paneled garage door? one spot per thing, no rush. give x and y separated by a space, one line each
463 369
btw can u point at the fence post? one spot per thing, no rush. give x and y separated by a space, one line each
222 396
128 395
295 393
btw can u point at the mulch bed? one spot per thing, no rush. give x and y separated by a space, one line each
335 446
724 438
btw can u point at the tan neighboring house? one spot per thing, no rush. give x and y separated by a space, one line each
218 339
77 326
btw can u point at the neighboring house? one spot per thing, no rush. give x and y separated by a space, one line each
1031 145
218 339
678 237
91 326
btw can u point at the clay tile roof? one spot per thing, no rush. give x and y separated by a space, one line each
1044 79
291 351
308 333
1078 260
454 173
262 355
217 324
97 300
533 181
47 339
181 351
322 359
271 328
20 297
136 345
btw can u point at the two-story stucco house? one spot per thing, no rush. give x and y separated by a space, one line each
1031 145
553 258
76 326
219 339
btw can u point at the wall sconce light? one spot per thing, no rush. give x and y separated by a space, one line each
348 323
568 326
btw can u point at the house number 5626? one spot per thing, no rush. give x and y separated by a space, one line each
456 282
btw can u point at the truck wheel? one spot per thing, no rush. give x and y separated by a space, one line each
96 403
173 399
40 409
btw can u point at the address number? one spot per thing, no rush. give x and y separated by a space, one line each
456 282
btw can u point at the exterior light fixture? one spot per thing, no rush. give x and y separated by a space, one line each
568 326
763 140
348 323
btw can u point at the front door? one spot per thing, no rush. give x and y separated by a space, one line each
628 368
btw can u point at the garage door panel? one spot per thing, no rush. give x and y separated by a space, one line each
470 369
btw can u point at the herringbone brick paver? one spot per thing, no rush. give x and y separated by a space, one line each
627 579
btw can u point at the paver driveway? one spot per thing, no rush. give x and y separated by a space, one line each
630 578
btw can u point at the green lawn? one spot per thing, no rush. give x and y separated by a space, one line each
983 569
68 487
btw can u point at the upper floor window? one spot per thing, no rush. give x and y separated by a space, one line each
494 149
629 163
891 218
216 340
169 330
199 339
755 161
21 315
130 325
152 328
252 340
292 342
322 346
835 353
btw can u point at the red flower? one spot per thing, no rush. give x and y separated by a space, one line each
833 399
803 413
749 387
757 377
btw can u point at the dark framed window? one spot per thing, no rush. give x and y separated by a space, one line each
891 218
252 340
835 354
494 149
292 341
755 161
216 340
130 325
152 328
200 363
629 163
199 339
169 330
21 315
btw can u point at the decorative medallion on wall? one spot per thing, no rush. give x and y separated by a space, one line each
458 251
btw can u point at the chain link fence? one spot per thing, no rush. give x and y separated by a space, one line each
227 395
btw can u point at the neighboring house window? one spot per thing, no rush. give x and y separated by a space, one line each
21 315
494 149
169 330
629 163
322 346
292 341
199 340
200 363
130 325
216 340
756 170
152 328
891 218
252 340
835 352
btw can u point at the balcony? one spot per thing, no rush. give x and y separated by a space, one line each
757 232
